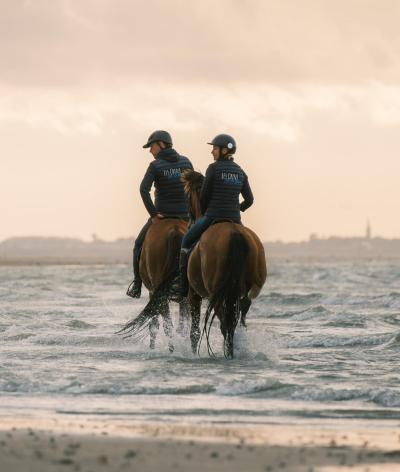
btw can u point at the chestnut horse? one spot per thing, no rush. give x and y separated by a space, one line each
227 266
158 266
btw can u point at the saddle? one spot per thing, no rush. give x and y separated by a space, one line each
222 220
184 218
214 222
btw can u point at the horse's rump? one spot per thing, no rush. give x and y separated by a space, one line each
160 254
209 264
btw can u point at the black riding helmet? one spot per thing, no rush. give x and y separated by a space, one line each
157 136
224 141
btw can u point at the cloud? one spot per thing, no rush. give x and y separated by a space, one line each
275 112
66 43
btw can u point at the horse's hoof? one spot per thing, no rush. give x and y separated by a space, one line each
171 347
152 344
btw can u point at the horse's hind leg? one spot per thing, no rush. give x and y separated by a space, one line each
228 333
228 319
167 322
195 306
153 328
245 304
228 344
182 328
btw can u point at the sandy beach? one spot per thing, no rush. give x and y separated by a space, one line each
81 444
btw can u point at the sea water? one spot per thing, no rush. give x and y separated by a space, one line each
322 343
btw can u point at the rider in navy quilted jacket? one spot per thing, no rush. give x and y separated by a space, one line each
224 182
164 172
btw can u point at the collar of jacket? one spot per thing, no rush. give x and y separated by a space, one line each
226 158
168 154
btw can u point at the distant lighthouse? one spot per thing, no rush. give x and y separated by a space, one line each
368 231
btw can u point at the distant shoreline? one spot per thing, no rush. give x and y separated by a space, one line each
70 251
276 259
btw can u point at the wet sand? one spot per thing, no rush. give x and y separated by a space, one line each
79 444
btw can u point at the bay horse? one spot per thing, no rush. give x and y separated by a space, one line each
227 266
158 267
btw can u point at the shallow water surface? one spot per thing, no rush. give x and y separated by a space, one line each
323 341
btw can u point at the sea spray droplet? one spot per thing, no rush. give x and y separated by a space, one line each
253 344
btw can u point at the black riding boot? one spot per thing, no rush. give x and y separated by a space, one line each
181 285
183 263
135 288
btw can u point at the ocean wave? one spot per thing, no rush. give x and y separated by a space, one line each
312 312
291 298
390 300
78 324
388 398
107 340
112 389
383 397
341 341
240 387
392 319
312 393
394 341
18 337
300 315
22 385
347 320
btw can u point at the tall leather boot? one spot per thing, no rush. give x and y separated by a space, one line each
180 286
135 288
183 264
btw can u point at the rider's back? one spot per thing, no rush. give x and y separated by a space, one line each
165 171
225 181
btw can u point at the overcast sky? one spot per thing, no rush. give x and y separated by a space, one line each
310 90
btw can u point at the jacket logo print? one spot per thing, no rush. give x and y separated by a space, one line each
231 178
172 173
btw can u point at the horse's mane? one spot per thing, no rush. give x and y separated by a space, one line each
192 180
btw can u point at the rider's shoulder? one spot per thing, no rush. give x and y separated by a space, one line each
237 166
153 164
184 158
211 167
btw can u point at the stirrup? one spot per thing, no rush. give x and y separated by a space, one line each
135 289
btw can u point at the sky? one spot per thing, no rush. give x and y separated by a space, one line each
310 90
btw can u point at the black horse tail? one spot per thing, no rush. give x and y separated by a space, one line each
227 299
136 328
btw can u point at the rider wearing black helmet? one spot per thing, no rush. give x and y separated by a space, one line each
219 198
170 201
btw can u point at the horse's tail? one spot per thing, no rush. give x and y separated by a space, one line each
227 298
136 328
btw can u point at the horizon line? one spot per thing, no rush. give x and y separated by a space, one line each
96 238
